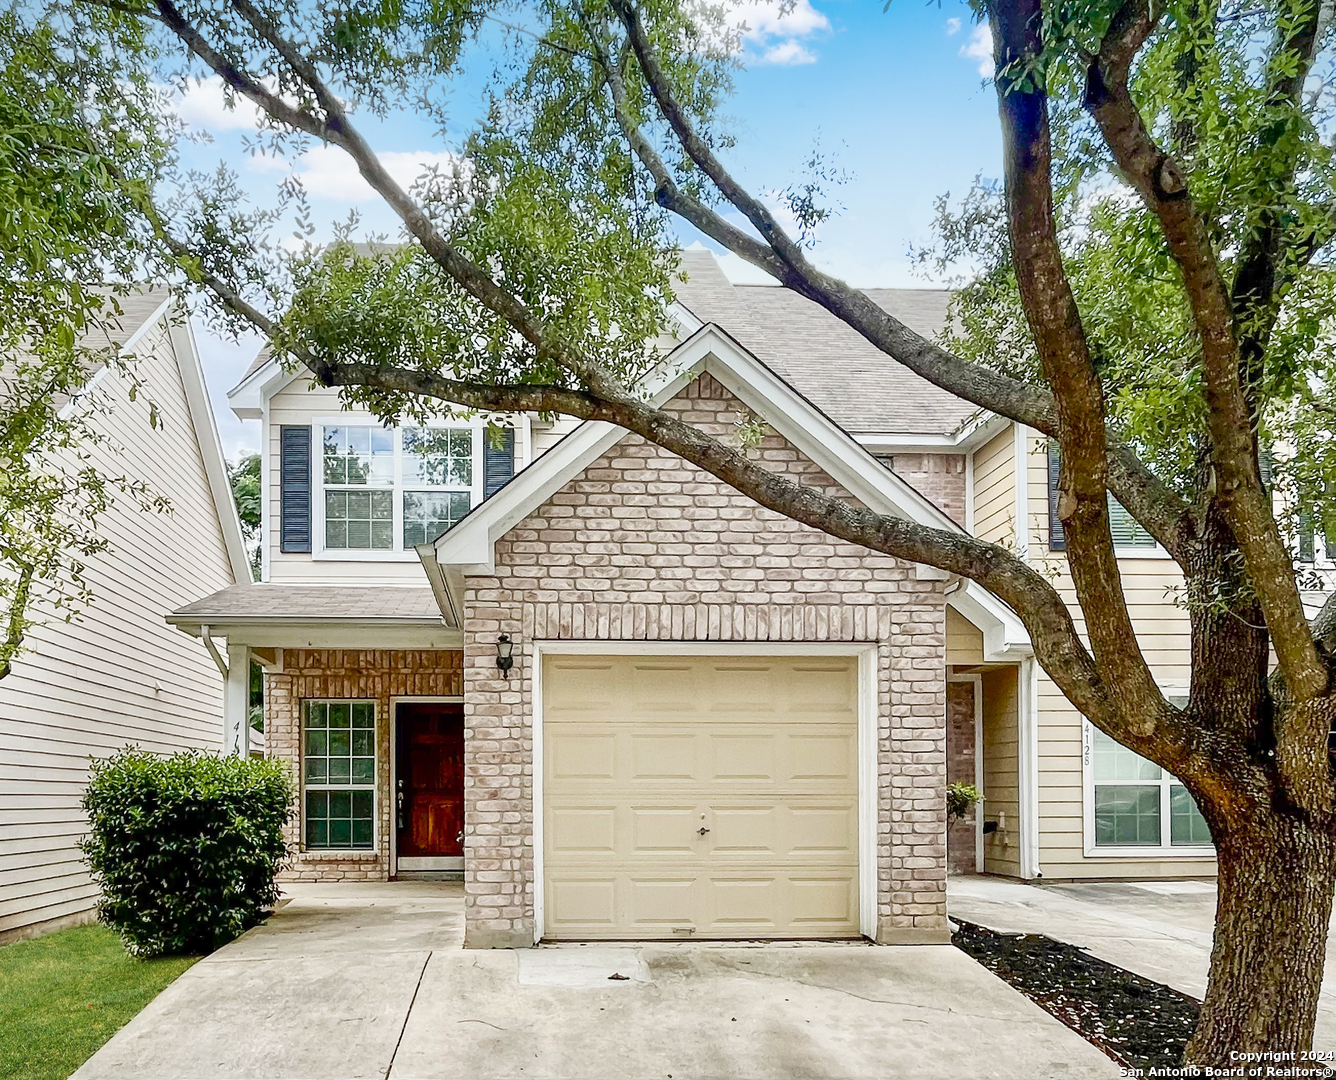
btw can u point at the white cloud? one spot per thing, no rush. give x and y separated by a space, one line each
775 30
204 105
788 54
326 172
952 27
980 48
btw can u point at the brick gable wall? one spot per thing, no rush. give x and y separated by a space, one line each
938 477
644 546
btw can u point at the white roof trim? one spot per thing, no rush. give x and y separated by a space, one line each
1004 635
969 436
247 398
469 548
210 445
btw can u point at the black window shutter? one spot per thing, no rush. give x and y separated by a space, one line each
1057 538
294 474
498 462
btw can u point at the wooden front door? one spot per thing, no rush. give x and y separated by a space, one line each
429 780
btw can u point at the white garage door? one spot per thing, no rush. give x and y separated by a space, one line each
700 797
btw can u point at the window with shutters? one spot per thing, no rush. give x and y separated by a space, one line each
382 491
1127 532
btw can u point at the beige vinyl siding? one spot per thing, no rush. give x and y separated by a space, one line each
118 673
300 403
1164 634
994 489
964 640
546 435
1001 789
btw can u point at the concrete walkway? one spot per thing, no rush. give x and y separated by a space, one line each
1159 929
371 981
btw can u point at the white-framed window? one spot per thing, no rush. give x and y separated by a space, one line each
1133 807
383 490
339 775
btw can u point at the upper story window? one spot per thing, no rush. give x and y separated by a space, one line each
1127 532
387 490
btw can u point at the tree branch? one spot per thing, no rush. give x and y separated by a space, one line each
1056 326
1159 509
1164 190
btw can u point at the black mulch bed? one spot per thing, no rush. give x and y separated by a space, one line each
1135 1021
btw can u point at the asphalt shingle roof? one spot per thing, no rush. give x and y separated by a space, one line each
837 369
242 603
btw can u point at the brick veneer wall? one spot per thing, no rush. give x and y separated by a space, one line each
644 546
938 477
375 674
960 751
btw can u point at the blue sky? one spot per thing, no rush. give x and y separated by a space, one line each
897 101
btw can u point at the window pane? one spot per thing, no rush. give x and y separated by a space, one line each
1186 825
364 770
359 520
317 833
1127 815
317 714
362 803
315 770
361 833
340 832
1125 529
364 716
438 457
317 742
1114 762
340 771
338 715
363 744
361 456
427 514
317 804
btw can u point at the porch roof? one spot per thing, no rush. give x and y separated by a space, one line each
395 605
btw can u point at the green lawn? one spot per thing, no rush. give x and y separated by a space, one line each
64 994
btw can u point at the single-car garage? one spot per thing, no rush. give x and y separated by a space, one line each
698 796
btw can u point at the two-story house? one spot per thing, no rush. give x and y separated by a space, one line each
116 674
625 701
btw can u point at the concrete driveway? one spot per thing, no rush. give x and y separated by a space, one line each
371 981
1159 929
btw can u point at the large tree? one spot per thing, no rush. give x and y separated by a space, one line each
1148 291
81 144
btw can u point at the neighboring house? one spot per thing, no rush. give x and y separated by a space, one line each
116 674
625 701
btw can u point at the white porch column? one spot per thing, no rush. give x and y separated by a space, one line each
236 701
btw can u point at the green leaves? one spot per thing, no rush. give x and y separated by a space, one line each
185 848
79 134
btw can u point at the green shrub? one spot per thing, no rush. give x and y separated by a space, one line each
959 799
185 848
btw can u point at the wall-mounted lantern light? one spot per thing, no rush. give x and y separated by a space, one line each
504 660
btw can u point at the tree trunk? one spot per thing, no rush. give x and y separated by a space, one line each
1276 876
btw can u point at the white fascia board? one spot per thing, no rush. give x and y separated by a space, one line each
248 397
330 633
469 548
969 436
79 399
1004 635
210 445
818 437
